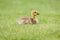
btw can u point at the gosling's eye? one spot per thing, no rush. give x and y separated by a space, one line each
34 12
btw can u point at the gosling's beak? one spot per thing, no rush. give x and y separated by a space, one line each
37 13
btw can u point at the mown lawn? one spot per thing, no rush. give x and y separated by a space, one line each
49 20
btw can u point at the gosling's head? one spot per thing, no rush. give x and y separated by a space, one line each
35 13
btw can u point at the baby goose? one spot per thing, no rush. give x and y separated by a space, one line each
31 20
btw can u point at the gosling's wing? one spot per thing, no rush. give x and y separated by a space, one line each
23 20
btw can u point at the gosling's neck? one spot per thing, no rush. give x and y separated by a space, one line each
33 16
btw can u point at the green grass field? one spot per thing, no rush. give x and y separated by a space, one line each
49 20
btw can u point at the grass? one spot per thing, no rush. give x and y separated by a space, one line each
49 20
